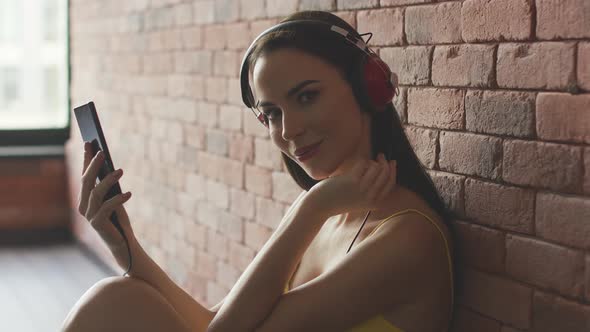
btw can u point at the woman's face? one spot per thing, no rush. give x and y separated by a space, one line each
307 101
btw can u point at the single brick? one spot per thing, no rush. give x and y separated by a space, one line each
231 226
242 203
226 11
258 181
562 219
503 113
215 37
499 298
495 205
434 24
545 165
203 12
238 37
227 275
387 3
584 66
241 147
207 265
470 154
439 108
225 63
191 37
552 313
216 89
284 188
234 95
200 62
411 64
423 143
451 190
269 212
544 65
399 104
157 63
240 256
230 118
217 244
217 194
563 19
563 117
545 265
252 9
385 24
499 20
326 5
183 14
463 65
276 8
356 4
256 235
482 247
266 154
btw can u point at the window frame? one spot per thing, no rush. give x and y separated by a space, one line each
47 142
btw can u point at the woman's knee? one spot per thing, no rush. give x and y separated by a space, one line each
121 304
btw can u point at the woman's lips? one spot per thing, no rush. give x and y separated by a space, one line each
309 154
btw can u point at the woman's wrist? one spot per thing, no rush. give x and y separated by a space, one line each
314 202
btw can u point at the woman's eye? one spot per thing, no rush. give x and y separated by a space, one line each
270 114
307 96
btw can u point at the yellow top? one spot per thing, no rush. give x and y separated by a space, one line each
378 323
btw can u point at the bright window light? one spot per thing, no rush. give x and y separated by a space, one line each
33 64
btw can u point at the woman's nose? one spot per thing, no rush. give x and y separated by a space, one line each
293 125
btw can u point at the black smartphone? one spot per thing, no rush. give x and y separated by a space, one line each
91 131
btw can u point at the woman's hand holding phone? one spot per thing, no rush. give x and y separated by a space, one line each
92 206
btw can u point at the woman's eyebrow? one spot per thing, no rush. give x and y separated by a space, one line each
291 92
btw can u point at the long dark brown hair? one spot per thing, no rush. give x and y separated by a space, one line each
387 134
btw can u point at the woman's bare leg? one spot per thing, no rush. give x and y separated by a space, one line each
123 304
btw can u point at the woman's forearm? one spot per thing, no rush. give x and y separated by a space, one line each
259 288
196 316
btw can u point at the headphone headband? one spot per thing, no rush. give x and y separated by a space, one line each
347 35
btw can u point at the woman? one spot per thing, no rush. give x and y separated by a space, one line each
307 87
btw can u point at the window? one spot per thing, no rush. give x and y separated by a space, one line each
34 71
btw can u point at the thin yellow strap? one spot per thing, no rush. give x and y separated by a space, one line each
444 239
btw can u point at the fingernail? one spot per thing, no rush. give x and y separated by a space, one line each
119 172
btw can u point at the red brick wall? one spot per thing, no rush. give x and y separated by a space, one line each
495 99
33 195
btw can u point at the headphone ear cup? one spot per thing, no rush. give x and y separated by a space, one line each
377 77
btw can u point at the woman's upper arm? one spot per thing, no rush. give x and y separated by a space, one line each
384 271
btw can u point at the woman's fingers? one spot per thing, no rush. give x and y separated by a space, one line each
87 157
102 216
97 194
391 180
381 180
89 181
368 179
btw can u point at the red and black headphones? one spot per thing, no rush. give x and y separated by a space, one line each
380 82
